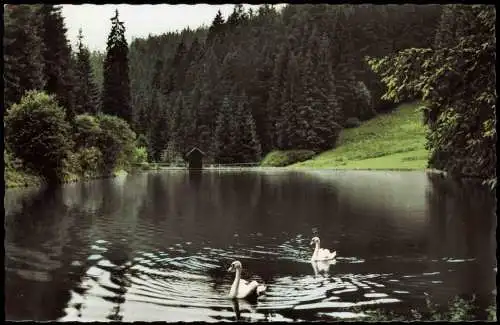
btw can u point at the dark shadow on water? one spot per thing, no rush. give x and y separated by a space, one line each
40 246
195 176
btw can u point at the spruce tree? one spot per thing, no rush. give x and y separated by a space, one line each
177 69
224 133
57 56
158 126
206 114
23 48
175 118
97 62
305 136
276 95
217 27
329 114
87 95
259 91
247 146
237 16
191 66
188 122
116 98
288 128
154 119
194 100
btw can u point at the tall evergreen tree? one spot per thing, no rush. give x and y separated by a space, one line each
238 16
23 48
97 62
206 114
116 98
191 65
276 95
57 57
247 146
189 121
158 133
86 92
289 131
177 69
217 27
308 107
225 133
155 125
176 122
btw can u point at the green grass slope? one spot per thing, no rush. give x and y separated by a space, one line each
388 141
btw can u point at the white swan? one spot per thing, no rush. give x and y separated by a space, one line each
242 288
322 267
321 254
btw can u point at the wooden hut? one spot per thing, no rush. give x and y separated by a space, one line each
195 158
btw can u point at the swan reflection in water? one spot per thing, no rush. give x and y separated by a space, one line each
240 305
322 267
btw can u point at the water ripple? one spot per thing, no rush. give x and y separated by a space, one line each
170 279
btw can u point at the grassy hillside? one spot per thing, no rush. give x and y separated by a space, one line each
389 141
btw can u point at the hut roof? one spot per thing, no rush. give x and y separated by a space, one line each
193 150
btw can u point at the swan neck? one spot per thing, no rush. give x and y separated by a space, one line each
236 282
316 249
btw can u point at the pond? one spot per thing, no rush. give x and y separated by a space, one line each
156 246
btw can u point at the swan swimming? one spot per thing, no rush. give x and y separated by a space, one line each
322 267
321 254
242 288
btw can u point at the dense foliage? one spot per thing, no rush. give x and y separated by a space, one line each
457 79
57 63
264 80
37 133
23 48
284 158
268 79
53 120
115 141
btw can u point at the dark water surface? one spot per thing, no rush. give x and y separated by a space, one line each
156 246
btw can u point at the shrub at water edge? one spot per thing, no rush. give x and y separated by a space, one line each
37 133
280 158
116 142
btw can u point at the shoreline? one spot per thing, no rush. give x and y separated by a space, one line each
122 172
75 179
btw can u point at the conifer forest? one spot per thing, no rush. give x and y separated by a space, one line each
251 83
239 162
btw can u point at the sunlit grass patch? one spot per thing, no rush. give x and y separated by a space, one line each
388 141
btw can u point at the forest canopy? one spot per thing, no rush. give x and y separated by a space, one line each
266 79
